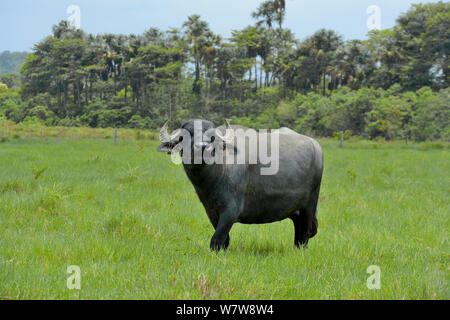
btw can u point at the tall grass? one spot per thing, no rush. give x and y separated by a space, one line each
131 221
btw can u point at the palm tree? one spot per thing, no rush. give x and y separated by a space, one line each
270 11
280 9
208 53
195 32
248 39
324 44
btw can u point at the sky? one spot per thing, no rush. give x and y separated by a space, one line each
26 22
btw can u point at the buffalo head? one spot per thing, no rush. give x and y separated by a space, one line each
194 136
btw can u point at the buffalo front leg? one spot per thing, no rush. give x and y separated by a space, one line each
221 238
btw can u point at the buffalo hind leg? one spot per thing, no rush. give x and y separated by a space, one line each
221 238
305 221
300 219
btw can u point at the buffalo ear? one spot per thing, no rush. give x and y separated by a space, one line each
164 148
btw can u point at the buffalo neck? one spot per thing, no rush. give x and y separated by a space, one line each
204 175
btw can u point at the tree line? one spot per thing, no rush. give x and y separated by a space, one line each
11 62
393 84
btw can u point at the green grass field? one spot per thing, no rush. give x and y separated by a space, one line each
131 221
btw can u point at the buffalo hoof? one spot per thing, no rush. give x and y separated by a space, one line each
301 245
217 245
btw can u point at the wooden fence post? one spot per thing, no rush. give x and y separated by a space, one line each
115 137
3 132
59 136
406 139
341 133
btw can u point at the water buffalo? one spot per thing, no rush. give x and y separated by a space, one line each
234 192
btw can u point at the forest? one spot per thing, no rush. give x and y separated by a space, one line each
394 84
11 62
